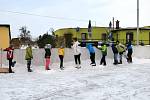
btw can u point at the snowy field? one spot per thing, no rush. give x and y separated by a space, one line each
121 82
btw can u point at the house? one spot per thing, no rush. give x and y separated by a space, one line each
98 33
5 36
102 34
130 34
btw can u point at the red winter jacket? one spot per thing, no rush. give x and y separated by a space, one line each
9 52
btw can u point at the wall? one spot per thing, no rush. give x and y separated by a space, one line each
143 35
4 37
96 32
38 54
142 52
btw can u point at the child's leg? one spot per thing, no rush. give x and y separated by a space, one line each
47 63
115 58
10 64
78 57
61 60
91 58
28 64
101 62
120 56
75 58
104 57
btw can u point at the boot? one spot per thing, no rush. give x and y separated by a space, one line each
62 68
120 62
94 64
115 62
13 63
30 70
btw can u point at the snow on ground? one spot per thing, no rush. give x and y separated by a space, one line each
121 82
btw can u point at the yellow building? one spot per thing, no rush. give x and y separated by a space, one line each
98 33
82 33
101 34
126 34
5 36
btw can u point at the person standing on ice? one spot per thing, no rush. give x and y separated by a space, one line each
47 56
29 57
115 52
77 52
121 49
92 53
130 51
103 49
10 55
61 53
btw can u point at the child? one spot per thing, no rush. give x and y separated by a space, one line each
130 51
77 53
61 56
121 49
103 49
92 53
10 50
29 57
47 56
115 52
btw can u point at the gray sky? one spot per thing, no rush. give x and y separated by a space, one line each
70 13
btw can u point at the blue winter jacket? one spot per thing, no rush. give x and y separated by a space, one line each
129 46
114 49
90 48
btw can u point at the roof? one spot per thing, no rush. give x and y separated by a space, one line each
132 28
81 28
7 25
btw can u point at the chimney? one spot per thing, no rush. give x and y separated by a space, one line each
117 24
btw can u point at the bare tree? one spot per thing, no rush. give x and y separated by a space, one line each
24 36
52 31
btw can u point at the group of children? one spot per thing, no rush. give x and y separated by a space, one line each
117 48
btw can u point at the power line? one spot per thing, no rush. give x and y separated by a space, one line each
31 14
60 18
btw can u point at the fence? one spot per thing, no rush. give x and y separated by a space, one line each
38 54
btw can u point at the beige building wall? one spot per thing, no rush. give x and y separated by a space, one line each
4 36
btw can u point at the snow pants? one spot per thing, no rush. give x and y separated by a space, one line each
10 65
61 57
92 57
47 63
77 59
103 60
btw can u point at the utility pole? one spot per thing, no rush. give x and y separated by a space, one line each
137 38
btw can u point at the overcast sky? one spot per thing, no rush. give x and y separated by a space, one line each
70 13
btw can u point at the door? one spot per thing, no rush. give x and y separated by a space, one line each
68 40
129 36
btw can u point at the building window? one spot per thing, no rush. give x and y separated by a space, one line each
129 36
83 36
104 36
